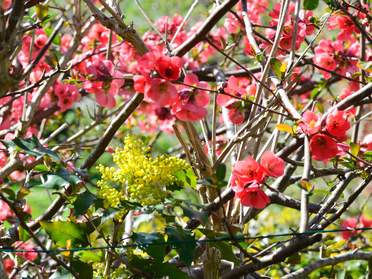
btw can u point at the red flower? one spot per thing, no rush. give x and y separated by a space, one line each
161 91
139 83
29 246
236 114
253 196
352 223
323 147
247 171
272 164
8 264
191 103
337 125
169 67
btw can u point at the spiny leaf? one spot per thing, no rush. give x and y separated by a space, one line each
311 4
148 241
62 231
83 202
30 146
183 242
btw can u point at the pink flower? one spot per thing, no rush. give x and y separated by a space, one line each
253 196
337 125
67 95
6 4
310 123
5 211
367 142
323 147
247 171
272 164
29 255
104 81
65 42
235 87
161 91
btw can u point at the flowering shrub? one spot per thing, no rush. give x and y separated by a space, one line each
187 149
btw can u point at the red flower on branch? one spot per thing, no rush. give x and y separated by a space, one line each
272 164
323 147
252 196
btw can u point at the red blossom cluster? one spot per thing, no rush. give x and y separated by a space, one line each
6 214
326 141
352 223
248 176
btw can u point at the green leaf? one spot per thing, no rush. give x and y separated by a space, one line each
61 178
157 269
354 149
62 231
368 155
168 270
84 270
83 202
187 177
189 195
311 4
306 185
221 172
54 182
89 256
226 249
278 67
41 168
195 214
31 146
152 244
183 242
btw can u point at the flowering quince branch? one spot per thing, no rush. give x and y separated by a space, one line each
263 110
353 255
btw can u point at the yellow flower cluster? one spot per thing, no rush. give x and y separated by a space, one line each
139 177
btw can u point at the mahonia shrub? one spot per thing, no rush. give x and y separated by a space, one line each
139 177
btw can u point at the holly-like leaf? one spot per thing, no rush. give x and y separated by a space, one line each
84 270
62 231
183 242
168 270
83 202
311 4
195 214
187 177
221 172
89 256
157 270
30 146
61 178
152 244
227 252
